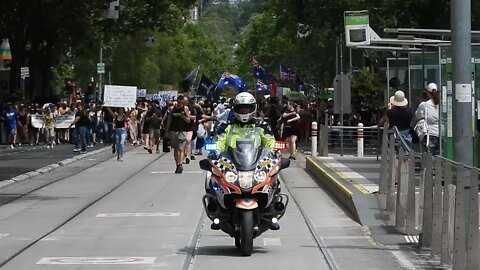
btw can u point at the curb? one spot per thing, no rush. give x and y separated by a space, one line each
364 207
333 186
49 168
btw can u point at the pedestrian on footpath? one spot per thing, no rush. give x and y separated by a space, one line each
400 116
428 124
49 127
81 124
177 126
10 116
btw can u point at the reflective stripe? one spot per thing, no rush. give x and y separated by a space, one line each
256 137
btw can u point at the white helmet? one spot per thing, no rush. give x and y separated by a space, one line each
244 107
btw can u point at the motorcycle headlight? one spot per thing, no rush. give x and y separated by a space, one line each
260 176
231 177
245 179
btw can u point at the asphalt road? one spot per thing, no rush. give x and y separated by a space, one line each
138 214
27 158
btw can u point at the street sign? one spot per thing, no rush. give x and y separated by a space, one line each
100 68
113 10
24 72
342 94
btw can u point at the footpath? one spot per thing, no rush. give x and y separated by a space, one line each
354 183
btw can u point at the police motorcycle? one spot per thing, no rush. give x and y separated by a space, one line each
243 196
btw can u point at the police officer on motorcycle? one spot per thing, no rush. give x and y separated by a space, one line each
245 111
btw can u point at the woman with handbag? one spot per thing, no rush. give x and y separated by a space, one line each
428 126
400 115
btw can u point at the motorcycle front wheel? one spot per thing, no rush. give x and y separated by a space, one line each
246 233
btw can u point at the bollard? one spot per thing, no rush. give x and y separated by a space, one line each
314 138
360 140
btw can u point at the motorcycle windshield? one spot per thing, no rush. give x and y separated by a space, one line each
245 155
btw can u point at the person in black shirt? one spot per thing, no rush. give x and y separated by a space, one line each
81 123
400 115
107 119
177 125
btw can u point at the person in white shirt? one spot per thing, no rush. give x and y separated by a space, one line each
428 125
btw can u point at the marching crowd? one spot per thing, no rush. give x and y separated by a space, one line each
146 124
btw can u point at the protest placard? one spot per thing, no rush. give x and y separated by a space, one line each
120 96
165 96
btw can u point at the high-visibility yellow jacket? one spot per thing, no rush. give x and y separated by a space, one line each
259 131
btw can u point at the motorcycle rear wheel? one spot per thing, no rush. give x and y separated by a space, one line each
246 233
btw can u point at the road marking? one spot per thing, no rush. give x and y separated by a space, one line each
272 242
4 235
96 260
372 188
411 238
168 172
92 159
111 215
337 165
405 262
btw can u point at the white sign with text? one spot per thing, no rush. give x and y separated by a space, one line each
120 96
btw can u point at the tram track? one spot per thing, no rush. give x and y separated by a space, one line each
76 213
192 250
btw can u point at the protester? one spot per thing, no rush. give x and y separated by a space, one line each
49 127
291 128
10 116
178 119
81 124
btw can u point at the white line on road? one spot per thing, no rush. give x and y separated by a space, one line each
169 172
111 215
4 235
272 242
404 262
96 260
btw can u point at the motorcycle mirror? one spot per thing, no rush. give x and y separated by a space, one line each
285 163
205 165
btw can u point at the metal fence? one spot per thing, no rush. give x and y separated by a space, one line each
434 197
349 140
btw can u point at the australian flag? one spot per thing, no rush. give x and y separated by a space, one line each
261 87
232 80
287 74
205 87
260 73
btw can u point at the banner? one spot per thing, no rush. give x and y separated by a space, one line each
165 96
120 96
62 121
141 93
